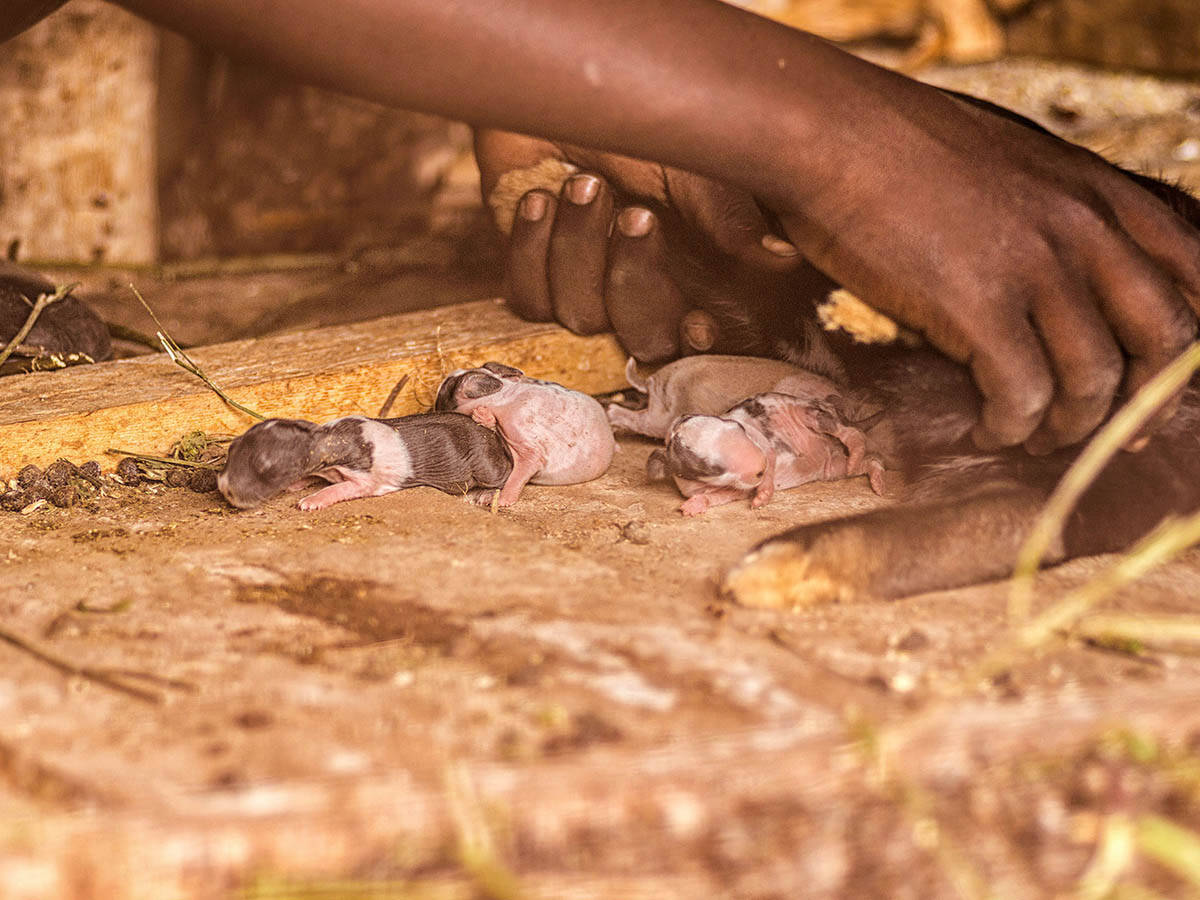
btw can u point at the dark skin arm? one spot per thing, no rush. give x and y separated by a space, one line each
1053 277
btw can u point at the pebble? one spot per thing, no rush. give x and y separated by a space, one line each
177 477
203 481
128 472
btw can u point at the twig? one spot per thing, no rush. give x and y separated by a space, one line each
1106 444
43 301
95 675
391 398
132 335
181 359
1157 630
163 460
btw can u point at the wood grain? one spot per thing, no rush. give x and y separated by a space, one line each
144 404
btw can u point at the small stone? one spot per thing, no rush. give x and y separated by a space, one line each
14 501
62 495
203 481
40 488
913 641
177 477
636 532
28 476
128 471
91 471
59 472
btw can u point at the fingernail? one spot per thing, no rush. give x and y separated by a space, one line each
699 330
778 246
582 189
634 221
533 206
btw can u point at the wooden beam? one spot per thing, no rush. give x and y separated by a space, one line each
146 403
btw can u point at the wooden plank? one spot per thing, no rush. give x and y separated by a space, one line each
146 403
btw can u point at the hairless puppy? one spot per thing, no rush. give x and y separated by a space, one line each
363 458
770 442
708 385
555 435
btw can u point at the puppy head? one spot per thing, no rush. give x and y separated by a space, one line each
464 388
708 451
265 460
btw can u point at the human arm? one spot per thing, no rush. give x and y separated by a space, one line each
1044 270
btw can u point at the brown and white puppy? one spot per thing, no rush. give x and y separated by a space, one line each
554 435
708 385
363 458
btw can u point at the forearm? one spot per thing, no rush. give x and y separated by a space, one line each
694 83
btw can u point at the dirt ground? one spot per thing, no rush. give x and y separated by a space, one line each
409 696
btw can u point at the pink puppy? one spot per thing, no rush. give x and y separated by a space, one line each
771 441
555 435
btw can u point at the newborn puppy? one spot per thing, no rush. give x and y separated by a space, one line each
768 442
554 435
708 385
363 458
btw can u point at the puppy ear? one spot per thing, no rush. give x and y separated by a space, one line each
500 369
474 385
445 395
656 465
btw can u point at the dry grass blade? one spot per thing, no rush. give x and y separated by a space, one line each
1115 852
476 844
1170 538
1107 443
162 460
1171 845
1155 630
35 311
185 362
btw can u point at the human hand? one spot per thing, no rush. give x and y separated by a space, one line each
1057 278
671 262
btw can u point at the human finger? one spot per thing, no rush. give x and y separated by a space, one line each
644 305
1149 315
1165 235
1087 365
578 254
1013 374
528 246
698 332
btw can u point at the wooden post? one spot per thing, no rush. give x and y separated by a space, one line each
77 138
